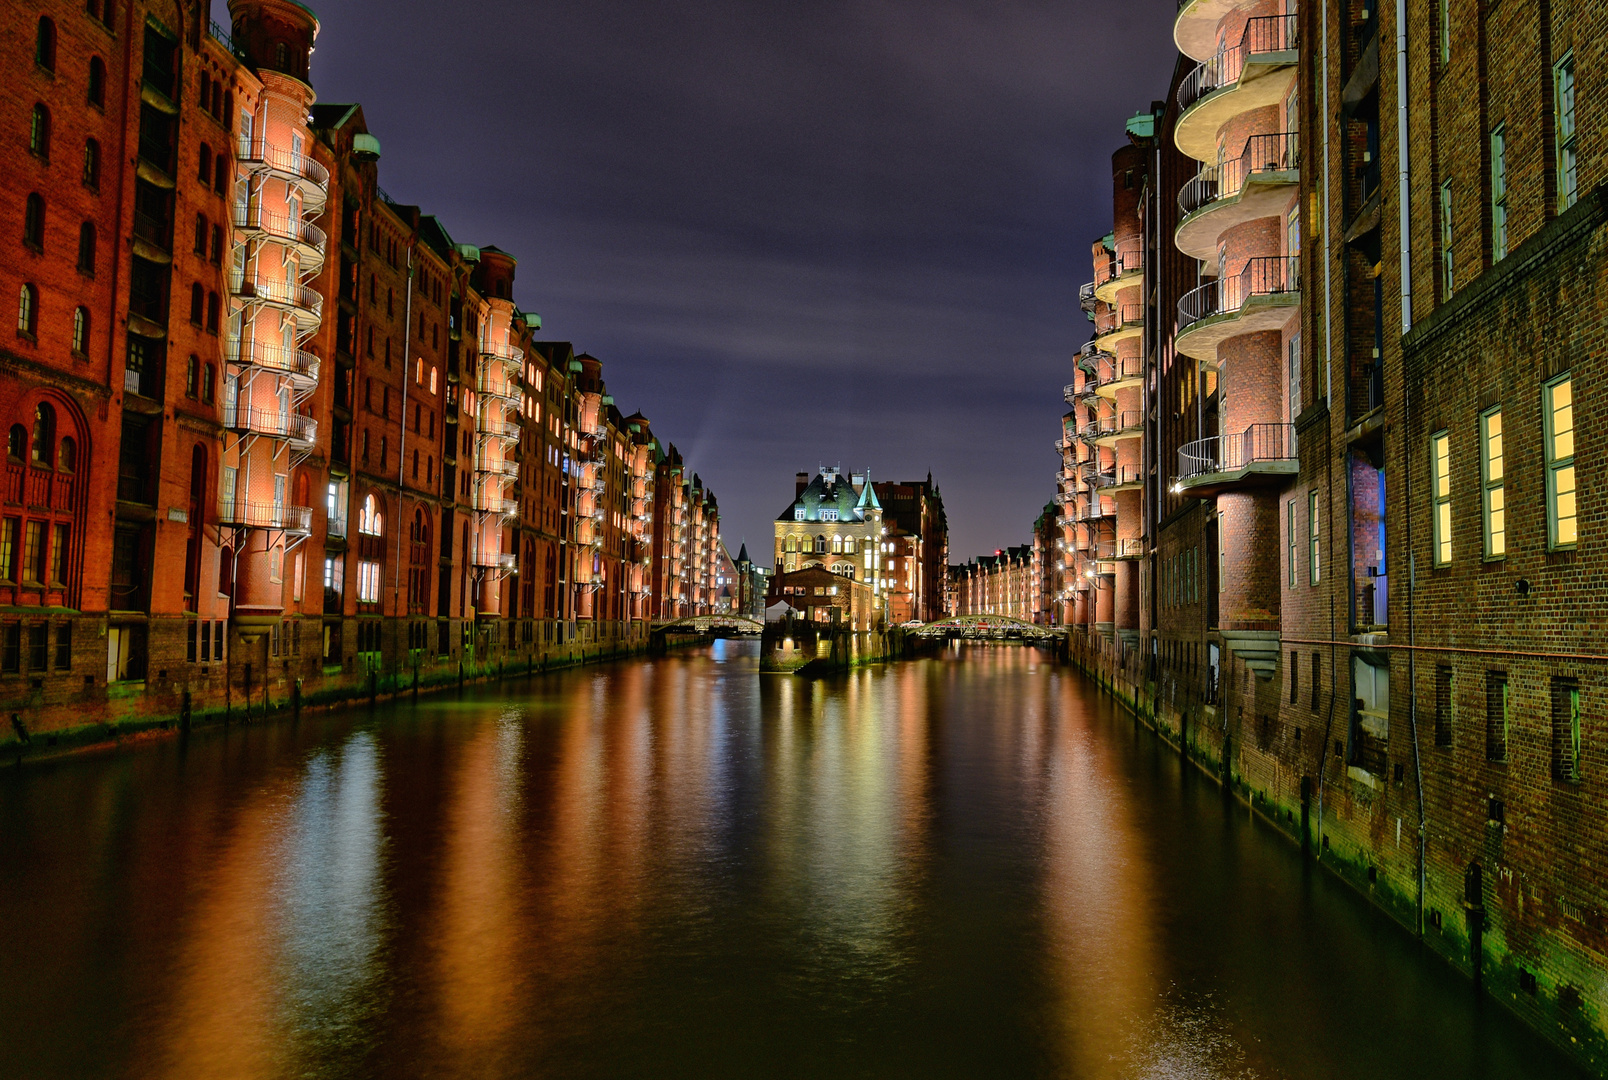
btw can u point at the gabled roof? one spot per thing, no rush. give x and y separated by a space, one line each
831 490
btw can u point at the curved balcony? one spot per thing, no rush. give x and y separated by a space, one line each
501 430
1195 25
1257 184
1118 323
1093 510
306 239
1090 355
1118 373
1067 498
1124 270
1123 478
495 467
1086 297
487 502
1260 297
1262 454
1125 424
1255 73
1063 446
500 390
500 561
304 305
244 514
259 155
300 431
297 365
506 357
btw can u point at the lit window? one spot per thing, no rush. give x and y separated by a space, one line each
1440 491
1314 541
1558 406
1493 507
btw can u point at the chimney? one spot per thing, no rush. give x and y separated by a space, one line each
858 480
803 481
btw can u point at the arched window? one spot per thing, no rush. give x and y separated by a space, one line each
279 55
370 522
44 435
192 377
28 311
432 379
837 545
39 132
17 442
418 369
848 546
820 545
33 221
792 543
86 248
212 312
92 164
209 379
69 455
217 100
226 570
97 82
205 169
198 300
81 331
45 44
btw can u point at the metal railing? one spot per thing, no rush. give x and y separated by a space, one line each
1086 298
1132 547
499 429
503 352
280 227
487 503
1264 34
281 294
1126 259
271 422
1114 369
502 467
489 386
260 515
258 151
1121 421
495 562
296 363
1229 453
223 37
1117 316
1262 154
1265 276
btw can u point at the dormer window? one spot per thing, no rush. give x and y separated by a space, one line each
798 513
829 515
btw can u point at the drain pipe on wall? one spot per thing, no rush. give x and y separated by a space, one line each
1404 197
1328 398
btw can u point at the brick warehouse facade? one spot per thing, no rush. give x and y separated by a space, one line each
271 434
1371 584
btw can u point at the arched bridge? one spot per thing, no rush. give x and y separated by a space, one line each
987 628
712 625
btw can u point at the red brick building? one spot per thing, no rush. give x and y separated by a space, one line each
270 431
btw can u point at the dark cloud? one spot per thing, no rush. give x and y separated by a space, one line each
796 233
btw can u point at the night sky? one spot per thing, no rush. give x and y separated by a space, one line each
821 232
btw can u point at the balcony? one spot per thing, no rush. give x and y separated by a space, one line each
1086 298
1127 424
1260 297
510 359
502 562
487 502
1118 323
300 431
1130 549
304 305
1063 446
1257 184
311 179
306 239
1124 478
1118 373
257 515
1251 75
1124 270
493 387
501 430
1261 455
298 365
493 467
1092 510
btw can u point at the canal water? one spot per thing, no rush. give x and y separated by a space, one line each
970 866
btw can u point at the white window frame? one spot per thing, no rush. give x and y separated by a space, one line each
1562 480
1440 493
1493 493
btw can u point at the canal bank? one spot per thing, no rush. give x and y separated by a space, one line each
269 678
1365 832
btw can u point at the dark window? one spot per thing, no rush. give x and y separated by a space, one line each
192 377
190 641
1566 729
200 234
92 164
38 647
80 331
220 173
33 221
64 646
28 311
209 379
11 648
39 132
44 435
1295 670
198 301
217 245
204 168
45 44
1496 715
212 312
1317 675
97 82
86 248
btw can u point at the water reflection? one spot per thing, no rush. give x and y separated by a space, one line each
964 866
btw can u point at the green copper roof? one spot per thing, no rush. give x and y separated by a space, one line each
1142 124
832 492
469 253
1109 241
532 320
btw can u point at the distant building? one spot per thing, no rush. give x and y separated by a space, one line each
999 584
824 597
918 549
832 523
